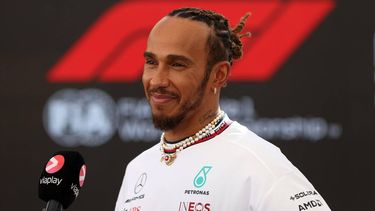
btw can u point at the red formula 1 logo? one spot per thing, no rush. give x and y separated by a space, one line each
55 164
111 50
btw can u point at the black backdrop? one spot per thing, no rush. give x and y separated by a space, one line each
319 107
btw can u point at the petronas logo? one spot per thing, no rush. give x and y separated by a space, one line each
200 178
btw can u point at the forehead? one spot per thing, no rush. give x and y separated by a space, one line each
179 36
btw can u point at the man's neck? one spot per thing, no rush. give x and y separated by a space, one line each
190 125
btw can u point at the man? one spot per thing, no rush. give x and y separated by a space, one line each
204 161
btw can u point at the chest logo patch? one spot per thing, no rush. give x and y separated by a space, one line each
140 183
201 177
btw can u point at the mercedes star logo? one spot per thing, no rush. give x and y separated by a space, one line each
140 183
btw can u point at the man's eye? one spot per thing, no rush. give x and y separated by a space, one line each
177 64
150 62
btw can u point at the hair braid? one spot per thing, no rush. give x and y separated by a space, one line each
236 37
225 43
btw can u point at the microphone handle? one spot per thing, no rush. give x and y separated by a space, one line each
53 205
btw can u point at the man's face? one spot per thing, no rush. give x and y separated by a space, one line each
175 64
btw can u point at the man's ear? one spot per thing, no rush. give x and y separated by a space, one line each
220 73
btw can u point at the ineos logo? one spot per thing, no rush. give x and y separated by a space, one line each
141 182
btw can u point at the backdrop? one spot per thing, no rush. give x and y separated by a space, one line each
70 80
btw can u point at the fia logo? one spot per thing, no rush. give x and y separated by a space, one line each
75 117
201 177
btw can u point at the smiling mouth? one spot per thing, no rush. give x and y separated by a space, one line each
162 98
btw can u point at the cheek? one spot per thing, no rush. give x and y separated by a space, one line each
145 84
191 81
145 79
190 90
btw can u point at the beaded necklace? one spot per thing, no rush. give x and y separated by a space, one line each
169 150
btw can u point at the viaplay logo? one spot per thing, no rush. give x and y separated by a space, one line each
55 164
82 175
111 49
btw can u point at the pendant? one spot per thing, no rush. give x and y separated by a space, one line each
168 158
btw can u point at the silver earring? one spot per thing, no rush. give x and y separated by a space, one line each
215 90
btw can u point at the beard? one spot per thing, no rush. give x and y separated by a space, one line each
164 122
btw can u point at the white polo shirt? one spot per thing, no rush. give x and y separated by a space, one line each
234 171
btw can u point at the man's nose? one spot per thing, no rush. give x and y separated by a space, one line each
161 77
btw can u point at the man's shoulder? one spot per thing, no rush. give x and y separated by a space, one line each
242 137
146 156
244 143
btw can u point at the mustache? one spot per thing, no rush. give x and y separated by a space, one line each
161 90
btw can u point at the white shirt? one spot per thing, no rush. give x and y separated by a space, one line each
234 171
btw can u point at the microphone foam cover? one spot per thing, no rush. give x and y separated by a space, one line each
62 178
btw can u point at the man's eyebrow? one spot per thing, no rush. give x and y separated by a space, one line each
170 57
173 57
148 54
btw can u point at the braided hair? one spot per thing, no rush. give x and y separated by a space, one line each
224 44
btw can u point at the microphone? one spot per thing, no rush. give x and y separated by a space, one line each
61 180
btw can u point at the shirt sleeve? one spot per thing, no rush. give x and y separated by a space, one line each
120 203
293 192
